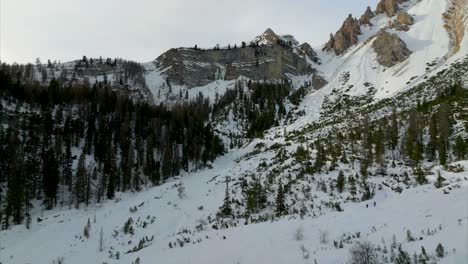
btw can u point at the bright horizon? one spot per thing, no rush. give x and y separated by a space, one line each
142 30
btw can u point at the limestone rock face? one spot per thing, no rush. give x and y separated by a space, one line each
390 7
402 21
390 49
346 37
404 18
191 68
366 17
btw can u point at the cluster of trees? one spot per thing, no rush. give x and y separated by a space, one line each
285 44
124 71
75 145
425 133
261 107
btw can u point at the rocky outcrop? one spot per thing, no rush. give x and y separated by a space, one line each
390 49
306 50
402 21
456 21
191 68
389 7
346 37
318 82
366 17
404 18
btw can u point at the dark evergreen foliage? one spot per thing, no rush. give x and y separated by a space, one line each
122 144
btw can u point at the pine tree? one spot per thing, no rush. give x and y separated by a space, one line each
226 209
444 118
403 257
439 181
280 200
352 186
340 182
80 181
394 131
67 164
50 178
460 148
433 138
440 251
110 169
420 176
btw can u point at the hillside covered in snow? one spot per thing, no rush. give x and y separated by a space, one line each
266 151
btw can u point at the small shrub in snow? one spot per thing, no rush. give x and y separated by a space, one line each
181 190
305 252
440 251
59 260
299 234
363 252
323 237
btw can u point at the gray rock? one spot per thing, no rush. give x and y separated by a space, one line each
191 68
390 49
306 50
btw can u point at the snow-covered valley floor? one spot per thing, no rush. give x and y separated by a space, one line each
432 215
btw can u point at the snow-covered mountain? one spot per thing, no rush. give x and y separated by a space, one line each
372 74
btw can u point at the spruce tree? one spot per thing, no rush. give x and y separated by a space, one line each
50 178
80 181
226 209
280 200
420 175
440 252
403 257
439 181
340 181
460 148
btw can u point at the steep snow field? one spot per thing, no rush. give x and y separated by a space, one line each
357 70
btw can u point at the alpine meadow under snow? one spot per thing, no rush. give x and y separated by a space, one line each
263 151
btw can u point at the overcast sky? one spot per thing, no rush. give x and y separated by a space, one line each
143 29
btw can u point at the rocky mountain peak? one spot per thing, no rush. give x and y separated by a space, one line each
389 7
306 50
366 17
269 37
345 37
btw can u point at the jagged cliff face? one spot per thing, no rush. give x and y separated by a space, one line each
390 49
346 37
366 17
189 67
456 21
389 7
270 60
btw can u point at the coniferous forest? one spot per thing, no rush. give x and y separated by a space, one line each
76 145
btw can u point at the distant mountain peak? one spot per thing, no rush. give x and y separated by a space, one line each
269 37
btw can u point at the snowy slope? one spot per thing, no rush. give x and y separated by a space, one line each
60 234
162 213
357 71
